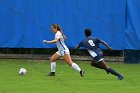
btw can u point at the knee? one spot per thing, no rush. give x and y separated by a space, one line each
69 63
51 59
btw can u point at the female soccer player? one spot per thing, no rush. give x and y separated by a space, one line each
62 50
92 45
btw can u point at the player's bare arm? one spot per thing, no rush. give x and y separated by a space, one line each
52 41
106 45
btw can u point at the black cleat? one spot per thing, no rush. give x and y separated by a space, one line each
82 73
51 74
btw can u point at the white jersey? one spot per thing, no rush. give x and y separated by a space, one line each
60 43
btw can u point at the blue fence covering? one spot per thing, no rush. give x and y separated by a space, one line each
25 23
132 28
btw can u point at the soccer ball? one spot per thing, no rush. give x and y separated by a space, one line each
22 71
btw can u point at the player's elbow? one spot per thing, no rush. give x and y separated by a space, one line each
103 42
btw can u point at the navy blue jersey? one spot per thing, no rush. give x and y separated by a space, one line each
91 43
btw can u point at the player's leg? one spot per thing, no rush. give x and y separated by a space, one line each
103 65
68 59
53 60
93 63
96 55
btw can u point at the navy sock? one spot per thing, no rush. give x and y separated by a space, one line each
112 71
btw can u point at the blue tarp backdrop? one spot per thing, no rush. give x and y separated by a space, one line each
26 23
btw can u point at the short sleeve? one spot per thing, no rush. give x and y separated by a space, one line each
58 35
98 40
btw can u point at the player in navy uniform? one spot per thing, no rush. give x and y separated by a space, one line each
92 45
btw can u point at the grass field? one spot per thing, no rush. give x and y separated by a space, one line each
66 80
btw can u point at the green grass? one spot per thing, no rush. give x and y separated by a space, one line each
66 80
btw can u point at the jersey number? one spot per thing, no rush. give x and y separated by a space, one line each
91 42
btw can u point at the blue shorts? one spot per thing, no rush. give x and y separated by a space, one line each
96 55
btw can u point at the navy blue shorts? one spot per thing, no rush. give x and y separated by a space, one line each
96 55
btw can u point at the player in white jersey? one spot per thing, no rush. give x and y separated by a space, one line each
62 50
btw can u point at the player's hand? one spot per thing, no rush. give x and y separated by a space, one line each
45 41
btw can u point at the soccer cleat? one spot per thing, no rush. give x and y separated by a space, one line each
120 77
51 74
82 73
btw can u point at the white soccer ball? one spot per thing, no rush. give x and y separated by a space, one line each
22 71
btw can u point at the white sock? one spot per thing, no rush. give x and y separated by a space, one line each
76 67
53 66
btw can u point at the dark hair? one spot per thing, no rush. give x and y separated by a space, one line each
88 32
57 26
